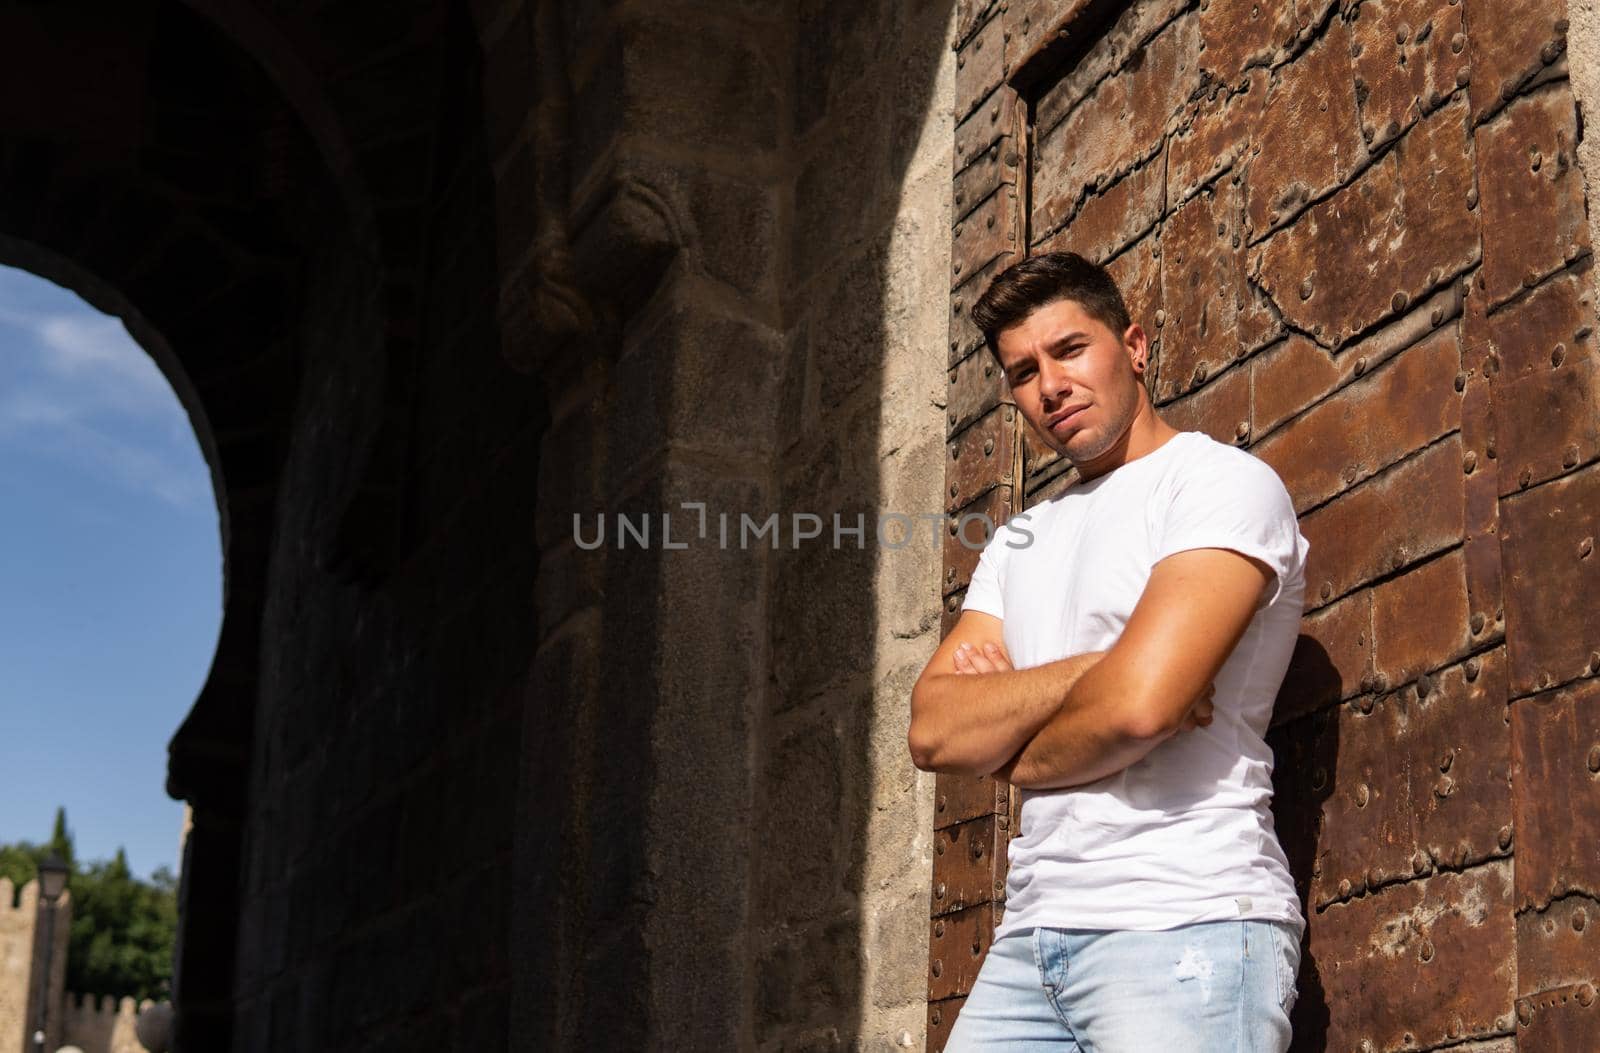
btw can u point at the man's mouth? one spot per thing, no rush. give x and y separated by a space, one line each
1063 417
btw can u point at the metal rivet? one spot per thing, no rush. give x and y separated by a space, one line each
1593 760
1361 366
1327 589
1504 836
1438 315
1580 920
1426 951
1242 431
1477 622
1161 319
1399 301
1445 786
1472 198
988 447
1585 547
1469 462
1306 289
1424 686
1524 477
1363 795
1461 381
1471 669
1570 456
1344 887
1557 354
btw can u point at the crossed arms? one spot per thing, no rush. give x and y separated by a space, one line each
1090 715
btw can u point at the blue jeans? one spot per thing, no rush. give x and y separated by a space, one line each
1209 987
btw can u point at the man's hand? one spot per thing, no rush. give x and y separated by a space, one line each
992 658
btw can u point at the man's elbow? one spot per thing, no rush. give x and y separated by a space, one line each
1146 719
930 747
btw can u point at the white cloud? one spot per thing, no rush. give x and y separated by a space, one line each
74 384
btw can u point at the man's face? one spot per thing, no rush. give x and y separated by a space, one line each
1073 378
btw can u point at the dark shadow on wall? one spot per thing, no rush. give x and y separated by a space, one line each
1304 739
705 740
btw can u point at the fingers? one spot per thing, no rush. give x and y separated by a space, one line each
991 658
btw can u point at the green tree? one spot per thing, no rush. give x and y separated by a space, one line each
123 928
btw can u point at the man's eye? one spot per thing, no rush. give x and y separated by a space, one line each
1020 375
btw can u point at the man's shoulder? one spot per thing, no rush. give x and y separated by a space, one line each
1224 457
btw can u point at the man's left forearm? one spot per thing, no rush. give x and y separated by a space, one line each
1089 737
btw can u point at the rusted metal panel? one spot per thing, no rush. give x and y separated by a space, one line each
997 122
1552 580
964 862
951 613
1408 56
1135 24
957 948
1237 33
1332 657
1509 44
1532 192
989 234
1556 794
1457 750
1305 143
997 165
968 531
1404 515
976 387
1419 964
941 1020
1559 1020
1121 125
981 65
1213 315
1539 356
1221 408
1317 270
1040 26
1481 543
981 458
1558 946
1370 424
1109 220
1420 779
1213 134
1366 819
960 798
965 337
970 15
1405 645
1295 373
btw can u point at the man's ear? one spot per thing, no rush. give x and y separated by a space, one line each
1133 338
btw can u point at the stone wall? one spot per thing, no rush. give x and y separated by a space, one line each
23 962
17 923
101 1025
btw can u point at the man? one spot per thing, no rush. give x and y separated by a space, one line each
1117 659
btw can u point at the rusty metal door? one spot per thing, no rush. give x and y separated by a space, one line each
1356 235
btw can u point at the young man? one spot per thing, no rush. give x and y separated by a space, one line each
1117 659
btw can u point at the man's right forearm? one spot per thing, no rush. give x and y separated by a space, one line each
978 722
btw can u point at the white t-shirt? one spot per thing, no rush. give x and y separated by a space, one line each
1186 834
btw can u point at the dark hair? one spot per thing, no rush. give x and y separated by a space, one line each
1038 280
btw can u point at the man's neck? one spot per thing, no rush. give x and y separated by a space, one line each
1144 436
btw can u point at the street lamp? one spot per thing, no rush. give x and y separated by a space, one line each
52 882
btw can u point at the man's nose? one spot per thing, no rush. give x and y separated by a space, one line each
1053 381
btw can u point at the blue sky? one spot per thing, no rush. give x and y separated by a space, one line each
110 577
